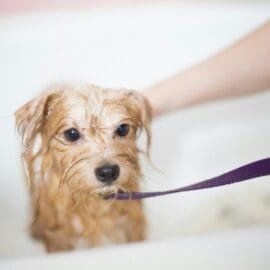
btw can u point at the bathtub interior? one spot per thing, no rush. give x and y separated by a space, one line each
134 47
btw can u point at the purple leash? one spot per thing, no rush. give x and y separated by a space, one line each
249 171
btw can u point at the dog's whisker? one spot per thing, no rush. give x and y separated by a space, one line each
73 164
147 179
149 161
75 172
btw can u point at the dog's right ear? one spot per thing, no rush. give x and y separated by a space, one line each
142 112
31 117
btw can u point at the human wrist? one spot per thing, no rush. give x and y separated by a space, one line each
154 100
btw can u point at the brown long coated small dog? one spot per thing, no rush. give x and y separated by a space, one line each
79 143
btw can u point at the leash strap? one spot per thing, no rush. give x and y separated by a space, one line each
249 171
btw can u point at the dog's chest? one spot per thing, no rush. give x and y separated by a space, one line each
105 226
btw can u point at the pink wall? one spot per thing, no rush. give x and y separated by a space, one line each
19 6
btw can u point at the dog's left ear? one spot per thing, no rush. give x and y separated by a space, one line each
143 110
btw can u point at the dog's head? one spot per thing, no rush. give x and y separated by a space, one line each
85 136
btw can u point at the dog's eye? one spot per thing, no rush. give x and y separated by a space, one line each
122 130
72 135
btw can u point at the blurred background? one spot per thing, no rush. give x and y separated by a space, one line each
135 44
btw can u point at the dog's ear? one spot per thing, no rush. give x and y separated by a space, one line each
31 117
143 110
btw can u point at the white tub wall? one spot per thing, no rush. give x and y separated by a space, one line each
134 47
213 140
229 250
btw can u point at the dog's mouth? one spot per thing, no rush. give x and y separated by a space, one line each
107 191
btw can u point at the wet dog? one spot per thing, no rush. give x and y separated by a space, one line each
78 145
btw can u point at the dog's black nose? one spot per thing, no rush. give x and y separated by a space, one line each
107 173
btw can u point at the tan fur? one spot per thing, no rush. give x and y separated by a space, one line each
64 190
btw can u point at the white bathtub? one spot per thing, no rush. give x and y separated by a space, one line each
134 46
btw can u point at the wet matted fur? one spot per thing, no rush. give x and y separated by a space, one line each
67 209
